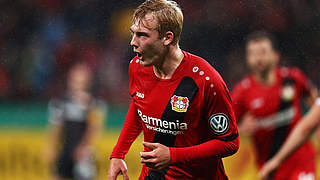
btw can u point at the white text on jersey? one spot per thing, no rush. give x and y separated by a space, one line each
157 124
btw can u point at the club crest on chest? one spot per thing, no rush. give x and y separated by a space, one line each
288 93
179 104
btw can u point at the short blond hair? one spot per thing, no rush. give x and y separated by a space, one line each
167 13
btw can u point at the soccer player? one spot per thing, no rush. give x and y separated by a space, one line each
75 119
267 106
301 133
179 101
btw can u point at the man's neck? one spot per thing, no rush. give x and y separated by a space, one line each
170 63
266 78
79 95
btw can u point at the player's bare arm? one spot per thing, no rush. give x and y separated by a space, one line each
310 100
51 150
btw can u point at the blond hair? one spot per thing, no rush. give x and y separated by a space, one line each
167 13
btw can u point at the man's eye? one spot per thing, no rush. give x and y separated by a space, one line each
142 34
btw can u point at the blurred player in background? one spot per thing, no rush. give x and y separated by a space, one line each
300 134
267 106
179 101
75 121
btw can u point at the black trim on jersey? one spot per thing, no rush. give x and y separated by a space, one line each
157 175
228 94
229 138
186 88
280 133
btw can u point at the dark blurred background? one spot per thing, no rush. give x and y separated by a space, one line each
41 39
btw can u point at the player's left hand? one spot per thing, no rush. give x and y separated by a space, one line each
156 159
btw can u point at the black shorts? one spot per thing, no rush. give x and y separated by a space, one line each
65 166
70 169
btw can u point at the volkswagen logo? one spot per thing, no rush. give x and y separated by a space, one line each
219 123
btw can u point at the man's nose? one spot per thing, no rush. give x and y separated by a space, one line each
257 57
133 41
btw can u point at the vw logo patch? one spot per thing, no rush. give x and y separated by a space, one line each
219 123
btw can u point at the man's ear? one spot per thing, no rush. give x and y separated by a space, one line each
168 38
277 57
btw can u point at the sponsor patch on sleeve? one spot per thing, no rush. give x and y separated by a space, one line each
219 123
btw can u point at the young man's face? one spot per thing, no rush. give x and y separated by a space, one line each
146 42
261 57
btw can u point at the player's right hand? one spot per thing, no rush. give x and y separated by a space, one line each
117 166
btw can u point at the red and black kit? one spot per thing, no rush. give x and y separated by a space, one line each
277 108
191 113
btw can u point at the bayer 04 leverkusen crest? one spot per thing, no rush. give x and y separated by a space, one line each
179 104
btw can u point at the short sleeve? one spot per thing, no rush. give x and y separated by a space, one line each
55 111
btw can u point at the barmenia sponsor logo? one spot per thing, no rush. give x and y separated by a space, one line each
159 125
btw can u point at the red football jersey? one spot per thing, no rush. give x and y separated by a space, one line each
191 113
277 108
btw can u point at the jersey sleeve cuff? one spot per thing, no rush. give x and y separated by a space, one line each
177 155
118 156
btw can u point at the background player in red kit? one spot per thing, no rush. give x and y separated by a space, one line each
301 133
267 105
179 101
